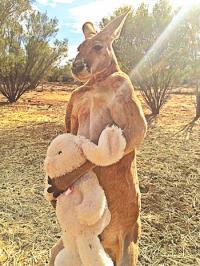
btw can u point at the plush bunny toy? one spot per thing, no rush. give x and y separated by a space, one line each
82 210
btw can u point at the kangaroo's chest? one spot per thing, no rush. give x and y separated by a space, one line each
92 112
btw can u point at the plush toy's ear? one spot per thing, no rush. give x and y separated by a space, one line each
113 29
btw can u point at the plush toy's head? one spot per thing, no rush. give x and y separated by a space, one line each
63 155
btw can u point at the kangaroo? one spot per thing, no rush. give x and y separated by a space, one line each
106 98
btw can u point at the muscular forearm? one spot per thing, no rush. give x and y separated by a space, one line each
134 136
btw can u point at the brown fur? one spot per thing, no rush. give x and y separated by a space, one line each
108 98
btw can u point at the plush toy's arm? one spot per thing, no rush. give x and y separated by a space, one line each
93 205
127 113
110 148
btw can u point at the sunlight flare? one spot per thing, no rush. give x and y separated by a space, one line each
186 3
158 46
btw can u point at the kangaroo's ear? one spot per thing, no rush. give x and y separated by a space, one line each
113 29
88 30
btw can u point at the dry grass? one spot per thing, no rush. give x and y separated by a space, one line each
168 166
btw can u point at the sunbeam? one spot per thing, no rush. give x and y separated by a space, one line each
157 47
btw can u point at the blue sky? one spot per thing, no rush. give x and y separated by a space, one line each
73 13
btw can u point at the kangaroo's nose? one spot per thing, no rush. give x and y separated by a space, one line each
78 66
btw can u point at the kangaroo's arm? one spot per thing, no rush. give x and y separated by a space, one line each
68 116
127 114
69 120
62 183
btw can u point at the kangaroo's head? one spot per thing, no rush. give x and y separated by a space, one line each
95 53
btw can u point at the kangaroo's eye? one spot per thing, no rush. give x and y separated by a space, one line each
60 152
98 47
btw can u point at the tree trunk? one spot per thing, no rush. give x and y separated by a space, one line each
197 101
155 111
198 105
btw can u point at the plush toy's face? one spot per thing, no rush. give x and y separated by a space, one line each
63 155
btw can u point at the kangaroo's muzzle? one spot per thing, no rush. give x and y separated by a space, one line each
80 65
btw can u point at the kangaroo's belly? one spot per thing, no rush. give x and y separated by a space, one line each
121 188
119 181
93 114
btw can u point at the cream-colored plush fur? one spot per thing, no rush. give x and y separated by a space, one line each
82 210
110 148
